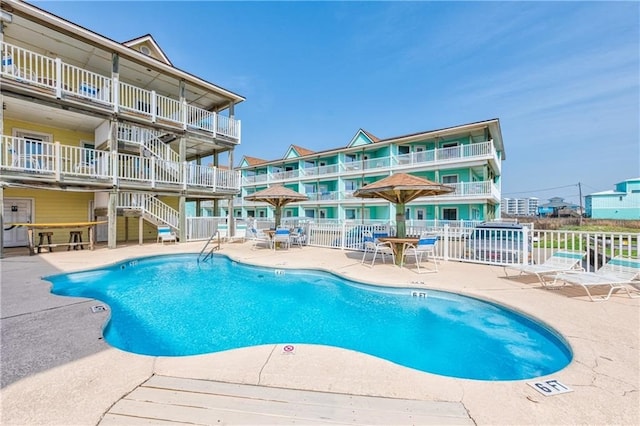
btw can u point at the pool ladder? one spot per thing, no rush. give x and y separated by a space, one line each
214 241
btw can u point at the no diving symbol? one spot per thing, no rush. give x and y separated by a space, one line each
288 349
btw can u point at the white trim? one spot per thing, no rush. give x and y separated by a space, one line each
31 134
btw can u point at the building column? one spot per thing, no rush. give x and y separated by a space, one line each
112 210
112 219
182 219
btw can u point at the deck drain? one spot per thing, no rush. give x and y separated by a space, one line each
98 308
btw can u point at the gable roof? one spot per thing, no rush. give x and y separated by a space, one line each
148 41
297 151
362 137
252 161
302 151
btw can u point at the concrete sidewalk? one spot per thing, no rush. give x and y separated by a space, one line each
56 369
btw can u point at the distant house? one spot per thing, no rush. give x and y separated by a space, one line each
621 203
558 207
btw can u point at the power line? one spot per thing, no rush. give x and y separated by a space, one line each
540 190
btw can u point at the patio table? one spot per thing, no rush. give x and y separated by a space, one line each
397 243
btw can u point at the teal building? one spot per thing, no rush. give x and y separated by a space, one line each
467 157
621 203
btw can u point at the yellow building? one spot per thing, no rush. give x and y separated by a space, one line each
96 130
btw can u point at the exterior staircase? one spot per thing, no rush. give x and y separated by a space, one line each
150 208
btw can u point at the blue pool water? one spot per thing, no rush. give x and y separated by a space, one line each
173 306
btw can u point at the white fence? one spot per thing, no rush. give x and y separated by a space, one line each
458 242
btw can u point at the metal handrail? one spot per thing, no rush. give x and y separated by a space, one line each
214 248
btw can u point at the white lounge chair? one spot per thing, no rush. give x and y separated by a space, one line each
559 261
166 234
257 236
619 273
426 246
376 247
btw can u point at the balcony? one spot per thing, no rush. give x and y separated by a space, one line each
464 191
484 151
53 163
55 78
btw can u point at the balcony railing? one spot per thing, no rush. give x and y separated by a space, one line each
485 189
63 79
398 163
55 162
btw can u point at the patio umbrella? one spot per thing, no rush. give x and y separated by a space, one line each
277 196
401 188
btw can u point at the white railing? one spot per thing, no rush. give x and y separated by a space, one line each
135 99
170 109
469 189
377 163
201 228
399 162
200 119
227 179
324 196
55 162
25 66
85 84
151 206
455 242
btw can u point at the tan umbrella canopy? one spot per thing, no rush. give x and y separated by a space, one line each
401 188
277 196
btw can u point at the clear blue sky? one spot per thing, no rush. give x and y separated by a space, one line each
562 77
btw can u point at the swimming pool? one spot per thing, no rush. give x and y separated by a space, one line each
173 306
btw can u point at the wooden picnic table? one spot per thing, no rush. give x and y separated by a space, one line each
31 227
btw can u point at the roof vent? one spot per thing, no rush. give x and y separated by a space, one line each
145 50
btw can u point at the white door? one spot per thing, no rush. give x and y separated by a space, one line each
16 210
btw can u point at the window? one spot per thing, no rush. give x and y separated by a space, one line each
350 214
350 185
87 154
322 213
450 179
420 214
449 214
310 213
407 213
404 154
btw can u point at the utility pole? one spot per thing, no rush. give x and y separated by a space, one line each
581 209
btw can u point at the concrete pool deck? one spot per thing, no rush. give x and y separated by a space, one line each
56 369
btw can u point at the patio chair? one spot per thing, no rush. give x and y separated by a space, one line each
619 273
298 237
282 237
560 261
166 234
426 246
372 245
257 236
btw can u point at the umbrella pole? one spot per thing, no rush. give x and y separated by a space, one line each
278 215
401 231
